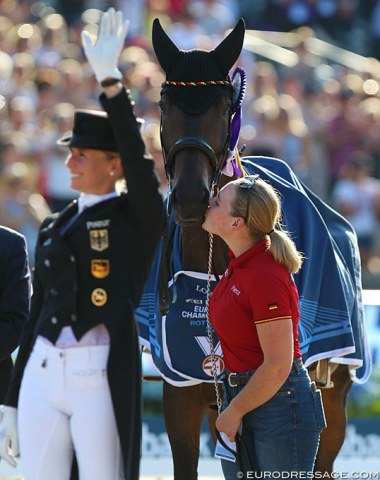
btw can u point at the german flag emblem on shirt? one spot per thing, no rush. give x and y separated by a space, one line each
272 306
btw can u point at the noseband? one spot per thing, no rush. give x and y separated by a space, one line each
196 144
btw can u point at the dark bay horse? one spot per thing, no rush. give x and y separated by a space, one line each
198 104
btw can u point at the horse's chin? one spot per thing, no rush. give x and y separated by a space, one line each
188 222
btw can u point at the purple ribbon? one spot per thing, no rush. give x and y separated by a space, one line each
236 122
235 128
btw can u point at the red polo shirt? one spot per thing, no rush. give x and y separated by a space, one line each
255 289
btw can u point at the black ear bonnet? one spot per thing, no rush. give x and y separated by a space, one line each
197 66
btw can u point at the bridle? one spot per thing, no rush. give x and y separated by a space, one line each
217 161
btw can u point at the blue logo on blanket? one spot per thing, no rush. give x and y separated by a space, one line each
179 341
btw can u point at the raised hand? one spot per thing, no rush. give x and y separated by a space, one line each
103 55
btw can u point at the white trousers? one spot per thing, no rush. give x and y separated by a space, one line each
65 406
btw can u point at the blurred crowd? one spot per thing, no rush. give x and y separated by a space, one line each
308 102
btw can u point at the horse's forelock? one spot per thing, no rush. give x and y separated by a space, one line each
196 66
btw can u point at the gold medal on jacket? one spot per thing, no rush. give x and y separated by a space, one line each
99 239
99 297
100 268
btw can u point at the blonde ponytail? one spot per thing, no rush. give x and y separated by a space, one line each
260 206
284 250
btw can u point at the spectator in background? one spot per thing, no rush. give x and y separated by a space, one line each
14 300
369 108
21 208
293 135
186 31
317 178
265 80
342 134
11 146
54 177
214 16
356 195
23 72
265 139
22 117
6 68
375 31
48 83
71 9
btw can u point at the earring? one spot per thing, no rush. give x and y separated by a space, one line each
112 173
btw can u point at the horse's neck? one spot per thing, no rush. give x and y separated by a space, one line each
195 251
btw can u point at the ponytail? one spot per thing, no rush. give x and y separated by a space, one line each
284 250
260 206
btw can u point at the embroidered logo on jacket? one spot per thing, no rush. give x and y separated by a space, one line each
235 290
99 297
272 306
100 268
99 239
98 224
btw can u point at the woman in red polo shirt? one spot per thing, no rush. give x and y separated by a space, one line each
254 309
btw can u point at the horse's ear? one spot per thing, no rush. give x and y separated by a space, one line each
165 50
229 49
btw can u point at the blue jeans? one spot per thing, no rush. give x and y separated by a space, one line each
281 435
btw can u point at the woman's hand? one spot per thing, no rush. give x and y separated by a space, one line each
229 422
103 56
8 435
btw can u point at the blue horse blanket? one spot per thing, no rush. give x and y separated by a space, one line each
332 314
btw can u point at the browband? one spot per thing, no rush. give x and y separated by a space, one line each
171 83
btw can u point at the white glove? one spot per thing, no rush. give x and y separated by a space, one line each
103 56
8 435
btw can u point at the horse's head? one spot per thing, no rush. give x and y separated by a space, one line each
196 110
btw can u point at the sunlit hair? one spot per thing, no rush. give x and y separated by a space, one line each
238 162
259 204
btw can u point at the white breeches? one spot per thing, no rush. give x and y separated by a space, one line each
65 406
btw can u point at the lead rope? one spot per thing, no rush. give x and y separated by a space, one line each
209 326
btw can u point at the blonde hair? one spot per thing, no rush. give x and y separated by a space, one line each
260 206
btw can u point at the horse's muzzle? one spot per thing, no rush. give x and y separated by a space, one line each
188 221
